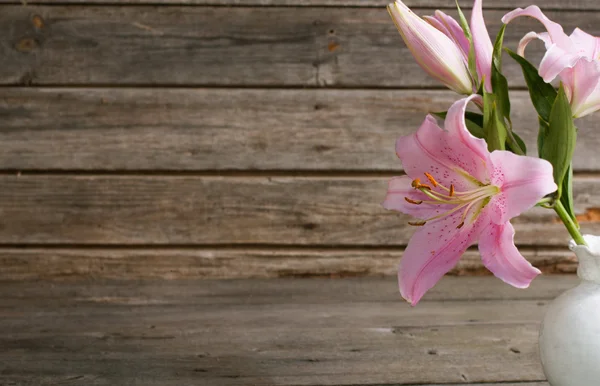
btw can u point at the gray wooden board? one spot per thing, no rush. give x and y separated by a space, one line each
465 4
270 291
225 129
194 210
274 355
167 263
271 332
272 46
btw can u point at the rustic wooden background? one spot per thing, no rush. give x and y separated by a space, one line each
230 138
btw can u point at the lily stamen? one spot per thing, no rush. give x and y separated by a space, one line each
464 201
431 179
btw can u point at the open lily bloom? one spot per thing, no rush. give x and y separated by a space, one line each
441 47
461 193
575 59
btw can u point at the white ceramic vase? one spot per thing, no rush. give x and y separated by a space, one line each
570 331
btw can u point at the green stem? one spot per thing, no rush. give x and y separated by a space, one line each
544 202
568 221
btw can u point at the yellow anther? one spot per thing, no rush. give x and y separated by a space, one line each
416 183
431 179
416 202
451 190
417 223
460 225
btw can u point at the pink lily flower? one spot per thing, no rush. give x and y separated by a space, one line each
441 47
469 195
574 59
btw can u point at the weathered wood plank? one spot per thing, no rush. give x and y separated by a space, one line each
253 316
324 332
129 293
176 210
428 314
132 264
224 129
98 381
277 46
128 351
467 4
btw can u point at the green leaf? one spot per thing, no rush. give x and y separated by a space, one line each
494 125
463 22
567 198
497 55
542 133
472 64
475 129
502 99
558 143
522 148
500 87
542 94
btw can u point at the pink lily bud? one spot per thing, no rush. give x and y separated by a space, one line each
438 54
574 59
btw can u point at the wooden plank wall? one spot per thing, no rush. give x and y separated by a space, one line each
229 138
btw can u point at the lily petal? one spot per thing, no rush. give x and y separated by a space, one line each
482 45
455 125
555 61
582 84
399 188
441 154
450 28
435 52
523 182
433 251
556 32
500 255
532 36
586 45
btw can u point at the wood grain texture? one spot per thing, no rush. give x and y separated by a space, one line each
169 264
278 332
272 46
230 129
466 4
217 210
163 210
272 291
126 352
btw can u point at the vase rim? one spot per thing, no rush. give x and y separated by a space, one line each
592 247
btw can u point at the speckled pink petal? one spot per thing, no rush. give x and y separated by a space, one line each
456 126
399 188
502 258
482 44
433 251
523 182
441 154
